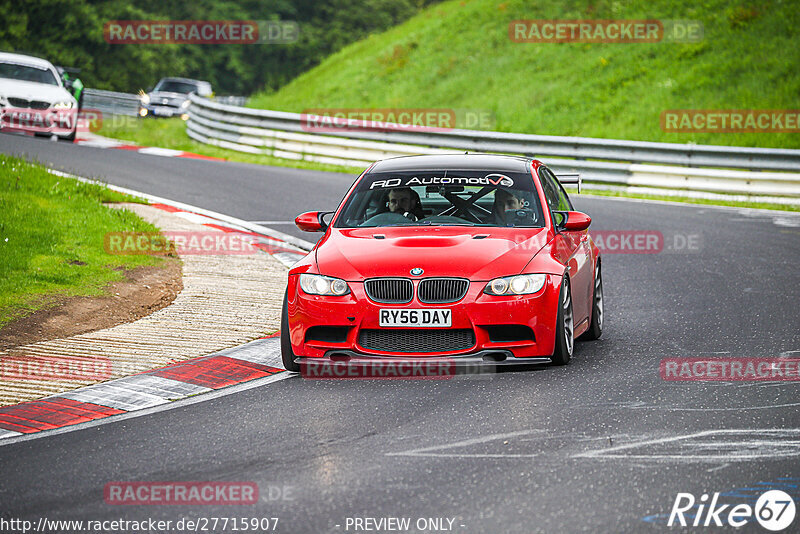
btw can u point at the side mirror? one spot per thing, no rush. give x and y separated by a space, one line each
574 221
311 221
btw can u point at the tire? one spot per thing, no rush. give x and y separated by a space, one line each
596 326
287 355
565 327
71 137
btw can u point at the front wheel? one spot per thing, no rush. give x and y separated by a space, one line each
287 355
565 327
596 326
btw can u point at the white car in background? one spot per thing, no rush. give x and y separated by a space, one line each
33 98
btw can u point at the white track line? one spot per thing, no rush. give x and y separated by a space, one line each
611 452
429 451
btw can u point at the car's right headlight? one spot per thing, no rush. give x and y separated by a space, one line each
144 98
521 284
316 284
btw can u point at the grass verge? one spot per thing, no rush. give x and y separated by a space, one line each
51 238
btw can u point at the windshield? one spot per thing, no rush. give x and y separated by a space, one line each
27 73
171 86
443 198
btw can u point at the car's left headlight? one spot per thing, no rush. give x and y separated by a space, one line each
521 284
316 284
64 104
185 104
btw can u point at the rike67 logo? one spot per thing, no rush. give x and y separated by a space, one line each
774 510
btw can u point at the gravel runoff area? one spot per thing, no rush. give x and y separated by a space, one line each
226 300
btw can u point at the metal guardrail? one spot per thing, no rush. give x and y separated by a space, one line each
111 102
616 162
115 103
231 100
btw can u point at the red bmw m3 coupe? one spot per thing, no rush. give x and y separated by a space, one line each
477 258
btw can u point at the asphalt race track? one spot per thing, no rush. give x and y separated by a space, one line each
601 445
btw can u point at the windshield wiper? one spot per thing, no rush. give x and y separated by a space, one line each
428 223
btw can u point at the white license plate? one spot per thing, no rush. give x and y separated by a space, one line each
164 112
405 317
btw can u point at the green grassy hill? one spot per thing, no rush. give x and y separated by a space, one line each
458 55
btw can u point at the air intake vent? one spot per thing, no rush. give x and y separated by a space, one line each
390 290
28 104
442 290
417 340
510 332
327 334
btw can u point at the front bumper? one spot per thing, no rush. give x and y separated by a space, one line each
477 312
491 357
164 111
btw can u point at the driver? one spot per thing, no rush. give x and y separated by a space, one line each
405 201
505 201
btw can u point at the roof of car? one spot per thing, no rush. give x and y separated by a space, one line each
494 162
27 60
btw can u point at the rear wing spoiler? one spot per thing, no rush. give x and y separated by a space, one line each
570 179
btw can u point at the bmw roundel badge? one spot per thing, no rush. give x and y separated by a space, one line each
416 271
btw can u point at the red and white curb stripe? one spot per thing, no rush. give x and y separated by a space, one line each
252 361
257 360
104 142
285 248
285 253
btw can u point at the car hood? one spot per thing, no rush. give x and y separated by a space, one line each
32 90
476 253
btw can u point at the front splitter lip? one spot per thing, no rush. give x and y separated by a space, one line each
488 357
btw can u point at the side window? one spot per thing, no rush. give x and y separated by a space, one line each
557 199
564 203
550 189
